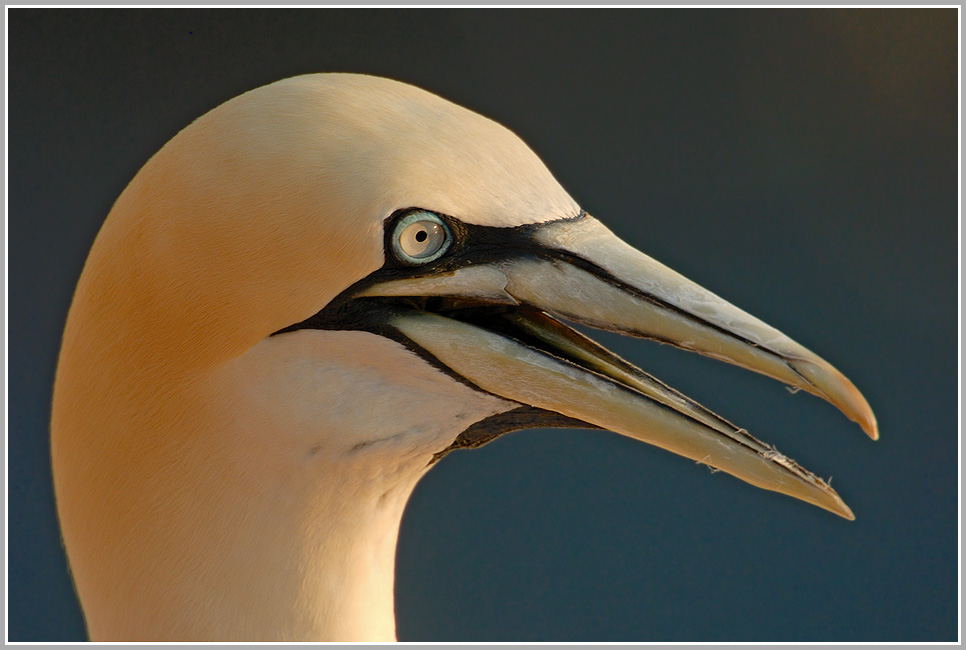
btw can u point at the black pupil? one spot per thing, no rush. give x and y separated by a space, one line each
421 236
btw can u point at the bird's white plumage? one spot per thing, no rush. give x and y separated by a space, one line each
318 482
216 482
252 219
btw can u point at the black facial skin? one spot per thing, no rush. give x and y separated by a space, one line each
471 244
524 417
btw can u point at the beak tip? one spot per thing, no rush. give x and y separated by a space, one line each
867 421
840 508
872 429
830 384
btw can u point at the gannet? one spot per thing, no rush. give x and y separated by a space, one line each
305 299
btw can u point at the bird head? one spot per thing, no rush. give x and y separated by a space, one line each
349 273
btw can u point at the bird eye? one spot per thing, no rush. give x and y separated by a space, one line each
420 237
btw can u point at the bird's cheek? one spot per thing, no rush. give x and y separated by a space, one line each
317 394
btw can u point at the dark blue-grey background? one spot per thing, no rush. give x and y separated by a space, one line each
802 164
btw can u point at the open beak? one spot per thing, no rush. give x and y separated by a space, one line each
496 325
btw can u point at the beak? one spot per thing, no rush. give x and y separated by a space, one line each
498 328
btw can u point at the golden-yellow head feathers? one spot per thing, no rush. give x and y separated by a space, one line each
262 210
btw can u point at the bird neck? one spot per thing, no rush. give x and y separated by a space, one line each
346 590
259 562
260 501
304 559
219 533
